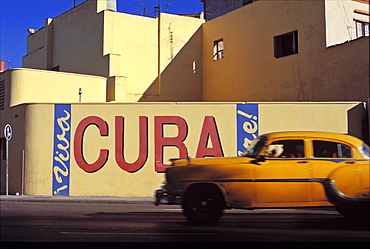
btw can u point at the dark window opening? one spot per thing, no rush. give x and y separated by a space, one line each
218 49
331 149
286 44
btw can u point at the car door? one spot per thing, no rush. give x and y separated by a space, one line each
283 179
328 155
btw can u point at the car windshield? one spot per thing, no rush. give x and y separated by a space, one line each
254 149
364 149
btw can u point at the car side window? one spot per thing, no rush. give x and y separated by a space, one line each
331 149
285 149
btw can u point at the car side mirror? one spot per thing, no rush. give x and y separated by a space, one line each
260 158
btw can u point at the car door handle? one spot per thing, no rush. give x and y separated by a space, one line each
303 162
350 162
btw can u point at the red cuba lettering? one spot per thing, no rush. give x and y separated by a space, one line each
143 145
209 130
78 144
161 141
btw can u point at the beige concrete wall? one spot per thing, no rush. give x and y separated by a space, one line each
250 72
340 23
181 79
133 53
31 85
124 48
314 116
84 52
345 73
42 86
117 45
71 41
36 56
39 149
91 130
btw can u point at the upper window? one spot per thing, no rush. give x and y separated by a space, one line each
218 49
285 149
362 29
286 44
331 149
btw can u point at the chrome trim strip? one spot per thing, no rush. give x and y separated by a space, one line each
337 160
335 196
252 180
332 193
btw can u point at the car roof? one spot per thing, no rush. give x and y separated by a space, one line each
314 134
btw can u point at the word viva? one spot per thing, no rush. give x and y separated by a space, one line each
209 133
61 150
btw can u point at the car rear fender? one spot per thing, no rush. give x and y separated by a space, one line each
351 179
355 204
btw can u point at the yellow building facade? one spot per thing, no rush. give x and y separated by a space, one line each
133 92
250 69
179 64
123 149
124 49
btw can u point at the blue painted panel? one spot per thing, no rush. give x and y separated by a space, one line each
247 125
61 150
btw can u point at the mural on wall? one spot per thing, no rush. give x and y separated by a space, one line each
209 132
208 142
247 125
61 150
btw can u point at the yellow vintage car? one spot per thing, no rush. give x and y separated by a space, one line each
278 170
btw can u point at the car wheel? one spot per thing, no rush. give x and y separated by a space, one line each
203 205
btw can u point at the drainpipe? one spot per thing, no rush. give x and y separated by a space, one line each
159 48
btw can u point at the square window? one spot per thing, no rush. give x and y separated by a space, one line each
286 44
218 49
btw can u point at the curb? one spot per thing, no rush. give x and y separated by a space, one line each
78 199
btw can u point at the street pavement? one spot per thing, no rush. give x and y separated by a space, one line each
105 219
77 199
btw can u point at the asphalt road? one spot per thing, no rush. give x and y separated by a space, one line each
110 222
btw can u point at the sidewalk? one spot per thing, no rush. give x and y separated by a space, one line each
78 199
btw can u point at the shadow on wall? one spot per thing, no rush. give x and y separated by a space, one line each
358 122
16 117
181 80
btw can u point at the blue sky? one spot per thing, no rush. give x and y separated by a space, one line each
16 16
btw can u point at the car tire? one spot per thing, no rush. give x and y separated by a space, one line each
203 205
355 213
